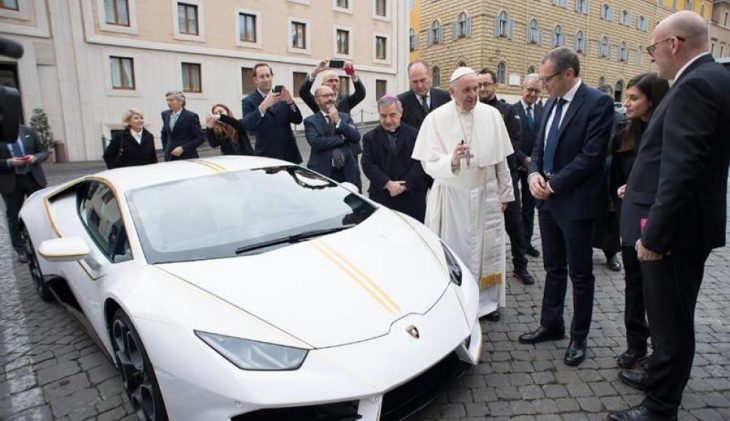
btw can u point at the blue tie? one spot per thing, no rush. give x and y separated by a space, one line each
528 113
552 139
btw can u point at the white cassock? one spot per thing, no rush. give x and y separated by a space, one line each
464 209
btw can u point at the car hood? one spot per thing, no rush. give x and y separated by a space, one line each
332 290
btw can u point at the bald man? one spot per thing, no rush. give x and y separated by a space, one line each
674 208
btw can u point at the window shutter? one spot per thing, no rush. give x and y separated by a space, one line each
539 37
468 27
441 34
510 29
429 39
454 31
496 26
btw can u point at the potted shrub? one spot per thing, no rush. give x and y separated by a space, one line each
39 124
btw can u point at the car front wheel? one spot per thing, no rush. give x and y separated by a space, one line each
138 375
35 268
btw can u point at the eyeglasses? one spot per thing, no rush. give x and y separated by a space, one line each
486 84
326 95
533 90
544 79
650 49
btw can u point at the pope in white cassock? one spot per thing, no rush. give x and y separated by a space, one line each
464 146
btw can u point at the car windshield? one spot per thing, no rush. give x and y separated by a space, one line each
239 213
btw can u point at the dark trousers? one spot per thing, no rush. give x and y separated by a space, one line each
566 247
671 286
25 185
513 226
528 208
637 331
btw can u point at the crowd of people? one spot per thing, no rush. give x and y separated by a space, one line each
651 185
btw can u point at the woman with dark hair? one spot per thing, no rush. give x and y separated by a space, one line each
132 146
643 94
223 130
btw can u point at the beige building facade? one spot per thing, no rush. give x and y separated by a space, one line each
720 29
511 38
86 61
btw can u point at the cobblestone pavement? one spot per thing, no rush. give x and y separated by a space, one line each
51 369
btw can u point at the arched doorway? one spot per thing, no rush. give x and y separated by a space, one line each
618 91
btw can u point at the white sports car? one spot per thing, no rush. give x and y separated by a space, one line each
241 288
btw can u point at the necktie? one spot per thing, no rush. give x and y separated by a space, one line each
528 113
173 119
552 139
424 103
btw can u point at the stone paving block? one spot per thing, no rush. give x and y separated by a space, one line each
708 414
567 404
602 389
499 408
70 405
19 402
57 371
578 390
39 413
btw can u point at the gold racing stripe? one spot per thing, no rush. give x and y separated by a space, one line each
213 166
357 275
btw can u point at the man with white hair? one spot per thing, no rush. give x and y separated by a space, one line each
464 145
674 207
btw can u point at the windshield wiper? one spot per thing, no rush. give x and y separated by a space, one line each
295 238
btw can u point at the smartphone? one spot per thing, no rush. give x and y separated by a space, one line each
336 63
277 89
25 157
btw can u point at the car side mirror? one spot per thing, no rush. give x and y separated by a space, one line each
64 249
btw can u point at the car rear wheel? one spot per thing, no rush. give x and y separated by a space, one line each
35 268
138 375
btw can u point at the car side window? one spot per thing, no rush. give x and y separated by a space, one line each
100 214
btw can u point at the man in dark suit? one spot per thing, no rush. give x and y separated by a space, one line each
330 132
513 214
674 207
396 180
21 174
530 113
566 176
343 103
421 98
268 115
181 132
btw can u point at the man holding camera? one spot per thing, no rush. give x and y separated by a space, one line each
268 114
20 176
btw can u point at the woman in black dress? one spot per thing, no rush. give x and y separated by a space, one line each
643 94
222 129
132 146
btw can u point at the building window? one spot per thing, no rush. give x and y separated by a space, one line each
561 3
462 27
503 27
247 80
580 43
674 4
688 5
187 18
343 42
501 72
531 70
712 48
299 35
381 8
298 79
116 11
639 59
607 12
581 6
122 72
247 27
413 40
381 87
625 18
727 19
702 10
343 4
558 37
623 52
191 77
603 48
641 24
436 76
722 48
533 32
9 4
436 33
344 85
381 48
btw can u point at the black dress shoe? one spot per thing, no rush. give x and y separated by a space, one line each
492 317
613 263
639 413
633 378
631 358
576 352
524 276
532 251
542 334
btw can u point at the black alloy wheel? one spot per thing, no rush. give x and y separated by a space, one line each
35 268
138 375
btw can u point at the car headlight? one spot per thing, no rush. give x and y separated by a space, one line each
253 355
452 264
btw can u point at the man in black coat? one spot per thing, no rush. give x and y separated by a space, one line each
566 176
421 99
181 132
396 180
513 213
674 207
269 115
529 111
21 175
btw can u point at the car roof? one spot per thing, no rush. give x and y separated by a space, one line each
129 178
